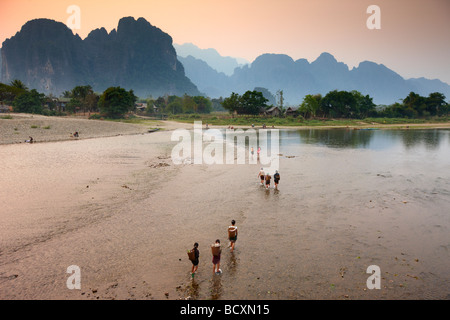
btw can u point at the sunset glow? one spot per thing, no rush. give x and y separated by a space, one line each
413 39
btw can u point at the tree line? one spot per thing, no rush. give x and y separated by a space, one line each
343 104
171 104
116 102
417 106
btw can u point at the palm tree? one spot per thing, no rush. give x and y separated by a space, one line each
18 84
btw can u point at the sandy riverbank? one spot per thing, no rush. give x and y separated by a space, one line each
50 129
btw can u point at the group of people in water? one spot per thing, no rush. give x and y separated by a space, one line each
216 251
265 178
194 253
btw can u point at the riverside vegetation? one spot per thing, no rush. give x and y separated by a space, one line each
336 108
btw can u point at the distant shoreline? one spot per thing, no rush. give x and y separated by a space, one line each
19 127
443 125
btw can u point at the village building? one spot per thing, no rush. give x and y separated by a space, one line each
292 111
273 112
5 109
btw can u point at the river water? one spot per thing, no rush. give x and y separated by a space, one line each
125 214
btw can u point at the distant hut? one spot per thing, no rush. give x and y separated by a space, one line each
5 109
292 111
61 104
273 112
141 107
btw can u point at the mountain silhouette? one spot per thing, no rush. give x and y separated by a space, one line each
47 56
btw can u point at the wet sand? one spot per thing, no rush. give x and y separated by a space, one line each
120 210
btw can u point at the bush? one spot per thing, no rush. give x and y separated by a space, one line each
96 116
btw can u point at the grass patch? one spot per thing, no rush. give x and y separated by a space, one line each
225 119
34 127
137 120
407 120
6 117
47 127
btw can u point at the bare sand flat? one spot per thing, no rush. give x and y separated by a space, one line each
47 129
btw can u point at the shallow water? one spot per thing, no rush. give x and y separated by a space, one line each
126 215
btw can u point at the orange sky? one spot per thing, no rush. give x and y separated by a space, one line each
413 41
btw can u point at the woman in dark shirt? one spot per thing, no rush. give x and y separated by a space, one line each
195 261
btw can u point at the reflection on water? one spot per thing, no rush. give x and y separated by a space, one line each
351 138
216 287
232 264
365 138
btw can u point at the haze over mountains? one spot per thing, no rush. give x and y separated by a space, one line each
211 57
47 56
299 78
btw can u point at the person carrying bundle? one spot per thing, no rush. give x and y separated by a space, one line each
194 255
216 251
268 177
232 235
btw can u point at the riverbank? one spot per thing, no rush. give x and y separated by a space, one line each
17 128
218 120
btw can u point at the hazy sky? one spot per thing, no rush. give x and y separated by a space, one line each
414 39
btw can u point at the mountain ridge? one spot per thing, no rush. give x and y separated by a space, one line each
47 56
301 77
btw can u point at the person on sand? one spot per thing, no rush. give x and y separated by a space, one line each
29 140
232 235
252 152
216 250
276 178
261 176
259 151
196 254
268 177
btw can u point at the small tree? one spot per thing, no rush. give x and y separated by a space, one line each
232 103
252 102
115 102
310 105
29 102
